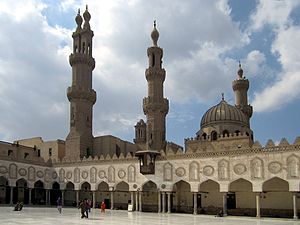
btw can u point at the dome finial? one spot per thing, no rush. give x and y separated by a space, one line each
240 70
222 96
78 20
87 17
154 34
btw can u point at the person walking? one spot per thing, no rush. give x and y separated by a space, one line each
82 209
103 207
59 204
87 207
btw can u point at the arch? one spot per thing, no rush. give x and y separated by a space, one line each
183 201
275 184
85 186
213 136
4 190
210 196
3 181
240 184
70 186
149 186
55 185
103 186
39 193
122 186
225 133
204 136
55 193
209 185
21 192
21 182
70 194
181 184
237 132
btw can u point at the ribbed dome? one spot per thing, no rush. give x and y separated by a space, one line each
223 112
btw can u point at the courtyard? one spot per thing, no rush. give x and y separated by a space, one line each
71 216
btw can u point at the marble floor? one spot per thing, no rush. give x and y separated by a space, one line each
71 216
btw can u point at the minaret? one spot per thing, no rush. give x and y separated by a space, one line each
155 105
240 87
155 108
82 97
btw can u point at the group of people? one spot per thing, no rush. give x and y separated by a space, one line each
18 206
85 207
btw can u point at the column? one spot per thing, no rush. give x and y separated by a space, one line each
195 203
63 197
140 201
47 197
29 197
132 200
94 199
111 200
295 205
164 202
77 197
225 204
258 205
159 202
169 202
137 201
11 195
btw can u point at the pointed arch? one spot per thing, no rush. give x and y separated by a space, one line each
103 186
275 184
111 174
85 186
70 186
181 186
149 186
168 171
240 184
122 186
194 171
209 185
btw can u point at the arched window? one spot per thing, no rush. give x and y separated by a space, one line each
214 136
237 132
204 136
225 133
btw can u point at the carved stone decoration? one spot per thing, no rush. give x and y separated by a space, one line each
163 186
121 174
84 174
168 172
54 175
180 171
69 175
208 170
239 169
223 170
292 167
3 169
275 167
47 175
31 173
13 171
40 174
62 175
76 175
93 175
257 168
131 173
101 174
194 171
135 186
22 172
111 174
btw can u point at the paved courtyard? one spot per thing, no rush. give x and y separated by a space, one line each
70 216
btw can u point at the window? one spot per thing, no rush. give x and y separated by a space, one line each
214 136
50 151
118 151
25 155
39 153
10 152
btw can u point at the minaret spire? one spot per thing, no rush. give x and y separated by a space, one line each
82 97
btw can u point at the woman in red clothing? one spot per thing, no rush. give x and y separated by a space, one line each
103 206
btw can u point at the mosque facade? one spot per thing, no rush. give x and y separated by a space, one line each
221 168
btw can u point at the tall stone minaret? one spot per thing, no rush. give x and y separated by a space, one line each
155 105
82 97
240 87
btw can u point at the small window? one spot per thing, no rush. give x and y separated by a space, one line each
10 152
26 155
50 151
39 153
214 136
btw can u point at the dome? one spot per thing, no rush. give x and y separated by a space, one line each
223 113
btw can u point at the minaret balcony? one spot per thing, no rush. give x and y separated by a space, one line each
75 93
150 105
81 58
240 84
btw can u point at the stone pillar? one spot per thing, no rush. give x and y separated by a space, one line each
77 197
169 202
195 203
159 202
63 197
29 196
225 204
164 202
137 201
295 206
11 195
94 199
47 197
140 202
258 205
111 200
132 200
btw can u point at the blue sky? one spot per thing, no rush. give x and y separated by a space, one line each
202 41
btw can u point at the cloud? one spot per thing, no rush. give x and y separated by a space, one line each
284 88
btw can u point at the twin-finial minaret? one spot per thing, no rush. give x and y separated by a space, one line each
82 97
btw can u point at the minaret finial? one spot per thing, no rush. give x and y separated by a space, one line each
154 23
154 34
78 12
86 7
87 17
240 70
222 96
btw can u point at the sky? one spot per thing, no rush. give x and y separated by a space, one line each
203 42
